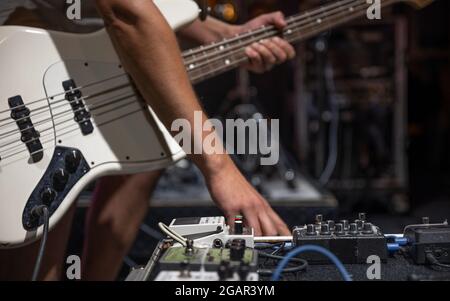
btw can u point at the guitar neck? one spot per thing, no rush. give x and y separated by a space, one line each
207 61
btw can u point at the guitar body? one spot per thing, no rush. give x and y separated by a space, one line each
59 77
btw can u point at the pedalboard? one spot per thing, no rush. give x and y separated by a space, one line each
428 239
352 242
214 252
233 263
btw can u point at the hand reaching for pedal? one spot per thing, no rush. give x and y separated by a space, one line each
235 196
267 53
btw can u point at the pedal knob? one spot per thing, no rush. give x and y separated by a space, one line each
339 229
353 228
367 228
72 161
48 195
243 271
359 224
362 216
189 250
310 230
237 249
331 224
60 179
238 225
319 219
224 272
324 229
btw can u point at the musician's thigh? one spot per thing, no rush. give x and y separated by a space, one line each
125 190
18 264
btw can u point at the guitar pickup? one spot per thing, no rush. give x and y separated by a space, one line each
81 114
29 135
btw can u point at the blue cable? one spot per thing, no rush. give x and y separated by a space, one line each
310 248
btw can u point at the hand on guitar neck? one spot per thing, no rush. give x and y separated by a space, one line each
263 55
267 53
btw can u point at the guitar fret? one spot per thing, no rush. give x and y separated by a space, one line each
230 52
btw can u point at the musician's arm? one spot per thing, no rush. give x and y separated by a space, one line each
148 49
263 56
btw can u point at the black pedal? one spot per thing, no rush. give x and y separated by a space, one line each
351 242
426 238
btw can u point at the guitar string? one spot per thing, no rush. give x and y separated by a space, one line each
65 92
26 117
39 122
17 149
14 122
293 18
76 125
54 102
305 15
220 60
227 41
202 49
65 133
92 107
293 37
22 147
64 102
350 17
202 75
69 126
270 30
325 24
224 57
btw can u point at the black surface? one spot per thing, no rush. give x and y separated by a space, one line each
397 268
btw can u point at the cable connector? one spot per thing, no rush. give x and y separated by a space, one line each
38 212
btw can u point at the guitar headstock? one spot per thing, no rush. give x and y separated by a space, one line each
418 4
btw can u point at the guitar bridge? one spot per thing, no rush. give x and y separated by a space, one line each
29 136
81 115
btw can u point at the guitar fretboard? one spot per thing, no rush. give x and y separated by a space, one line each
207 61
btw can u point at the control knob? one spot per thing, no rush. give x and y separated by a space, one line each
339 229
60 179
367 228
353 229
48 195
324 229
310 230
72 161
